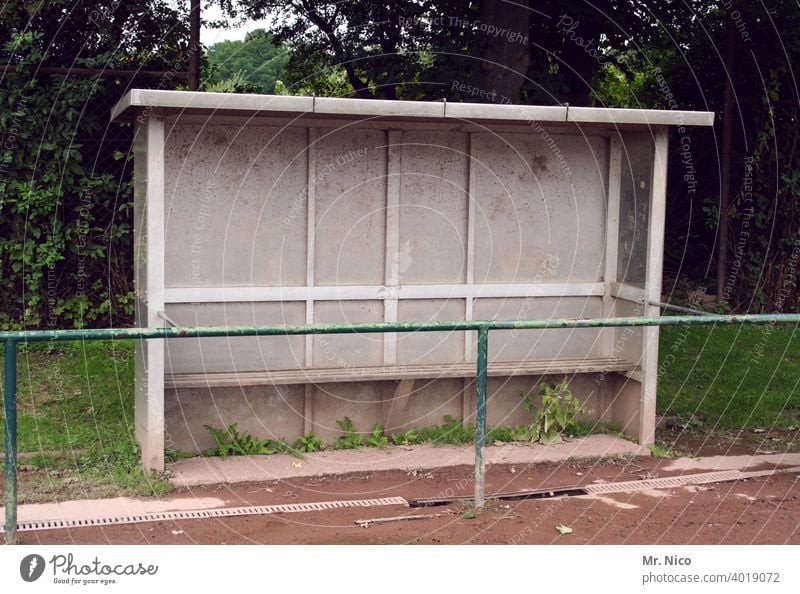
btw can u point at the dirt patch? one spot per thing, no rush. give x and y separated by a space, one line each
762 510
729 443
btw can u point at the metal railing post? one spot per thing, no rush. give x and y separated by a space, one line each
480 417
10 410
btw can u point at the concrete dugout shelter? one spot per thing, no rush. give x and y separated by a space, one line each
273 210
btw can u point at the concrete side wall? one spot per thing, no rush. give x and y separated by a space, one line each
634 203
626 405
628 342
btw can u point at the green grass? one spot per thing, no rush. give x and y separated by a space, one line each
452 432
659 450
583 428
75 413
738 376
619 459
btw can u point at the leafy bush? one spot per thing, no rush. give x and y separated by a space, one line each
452 431
377 439
309 443
351 440
559 412
231 442
66 194
409 437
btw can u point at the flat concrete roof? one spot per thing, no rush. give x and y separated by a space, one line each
228 103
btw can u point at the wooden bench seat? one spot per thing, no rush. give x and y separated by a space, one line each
397 372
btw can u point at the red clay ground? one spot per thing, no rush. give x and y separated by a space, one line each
730 442
762 510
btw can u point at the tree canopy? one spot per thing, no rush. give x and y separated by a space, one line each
66 195
256 59
65 190
671 54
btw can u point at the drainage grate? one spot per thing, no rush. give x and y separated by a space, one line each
602 488
223 512
665 483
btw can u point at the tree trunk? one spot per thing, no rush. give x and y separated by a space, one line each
194 45
502 49
581 48
725 150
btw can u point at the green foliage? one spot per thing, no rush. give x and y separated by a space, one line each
351 440
452 431
58 387
409 437
558 412
121 461
256 64
330 83
65 185
689 422
237 83
281 446
309 443
659 450
41 460
231 442
502 434
377 439
362 49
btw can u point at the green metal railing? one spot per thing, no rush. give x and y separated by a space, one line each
11 341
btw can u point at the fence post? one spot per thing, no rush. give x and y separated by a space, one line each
480 420
10 410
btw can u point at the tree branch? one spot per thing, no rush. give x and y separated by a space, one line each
327 29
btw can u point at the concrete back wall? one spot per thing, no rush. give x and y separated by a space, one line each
232 198
259 204
236 215
534 223
236 203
